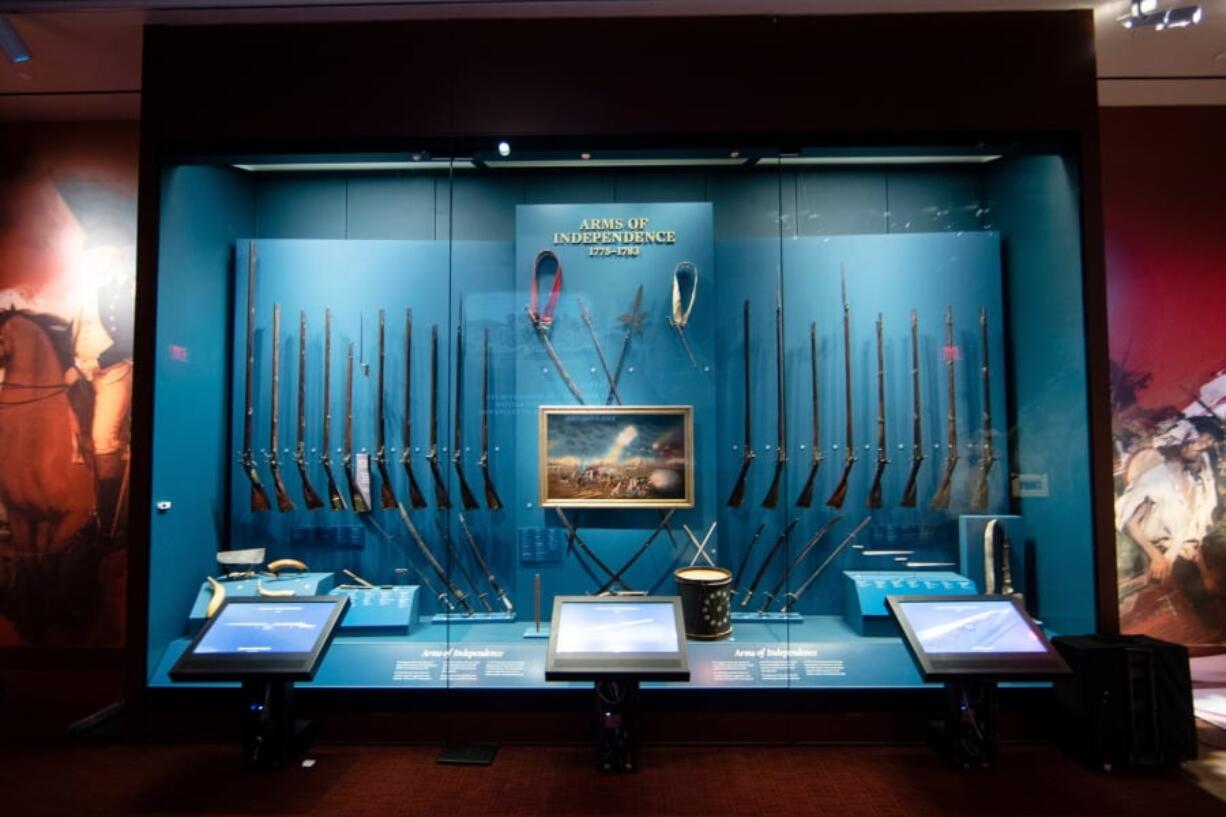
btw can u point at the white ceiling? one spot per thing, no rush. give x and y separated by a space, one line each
86 53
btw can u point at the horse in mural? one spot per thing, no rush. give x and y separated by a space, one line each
46 485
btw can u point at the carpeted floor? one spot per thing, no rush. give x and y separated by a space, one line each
382 781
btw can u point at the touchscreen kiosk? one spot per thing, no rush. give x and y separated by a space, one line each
982 636
617 636
256 636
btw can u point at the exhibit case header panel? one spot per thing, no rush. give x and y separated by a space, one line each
777 386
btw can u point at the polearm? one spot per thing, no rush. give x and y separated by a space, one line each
355 494
259 497
769 598
336 500
791 598
492 500
839 495
387 497
457 454
770 555
310 498
979 500
781 418
738 489
284 503
424 549
490 578
441 499
740 569
806 493
633 321
874 493
941 498
616 577
604 364
917 425
542 321
416 499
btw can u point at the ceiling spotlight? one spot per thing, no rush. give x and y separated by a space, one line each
504 149
11 42
585 155
1145 14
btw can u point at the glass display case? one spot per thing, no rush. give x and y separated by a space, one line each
780 384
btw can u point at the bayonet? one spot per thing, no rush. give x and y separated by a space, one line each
839 495
311 498
770 555
484 567
543 321
259 497
441 499
424 549
979 500
806 494
874 494
770 597
416 499
387 497
791 598
738 490
355 494
633 321
941 498
781 454
736 577
917 426
284 503
457 454
336 500
492 500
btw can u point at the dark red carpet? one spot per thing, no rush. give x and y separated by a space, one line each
89 779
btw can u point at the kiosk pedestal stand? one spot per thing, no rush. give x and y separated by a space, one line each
969 737
272 738
617 642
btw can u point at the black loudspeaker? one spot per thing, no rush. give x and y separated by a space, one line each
1128 703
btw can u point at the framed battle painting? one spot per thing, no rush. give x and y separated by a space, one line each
617 456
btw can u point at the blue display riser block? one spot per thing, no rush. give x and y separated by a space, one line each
470 618
767 617
532 632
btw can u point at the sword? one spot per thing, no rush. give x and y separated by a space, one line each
578 540
738 489
259 496
440 489
989 557
770 555
941 498
387 497
633 321
284 503
839 495
979 500
604 364
781 454
485 568
681 310
806 494
457 455
700 548
309 496
736 577
616 576
874 494
416 499
542 321
473 587
791 598
917 426
336 499
492 500
769 598
451 586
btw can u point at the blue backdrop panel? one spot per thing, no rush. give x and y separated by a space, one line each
656 369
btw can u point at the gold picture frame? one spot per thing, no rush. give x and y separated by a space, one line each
616 456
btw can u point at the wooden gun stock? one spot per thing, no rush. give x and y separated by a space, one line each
874 493
309 496
259 497
839 495
806 493
492 500
908 492
738 490
941 499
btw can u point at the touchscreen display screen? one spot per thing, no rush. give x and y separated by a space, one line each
988 627
592 627
268 628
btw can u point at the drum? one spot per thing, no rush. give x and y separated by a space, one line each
706 601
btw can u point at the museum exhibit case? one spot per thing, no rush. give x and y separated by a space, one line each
457 381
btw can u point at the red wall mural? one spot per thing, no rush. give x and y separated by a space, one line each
67 283
1164 180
